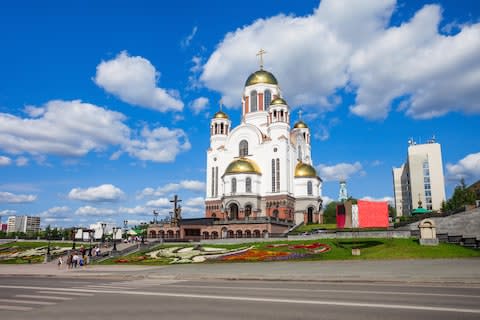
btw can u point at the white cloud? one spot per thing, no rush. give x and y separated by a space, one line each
348 45
158 145
5 161
8 212
326 201
192 185
134 79
21 161
92 211
340 171
7 197
186 42
102 193
386 198
74 128
161 202
195 202
55 212
467 168
199 104
134 210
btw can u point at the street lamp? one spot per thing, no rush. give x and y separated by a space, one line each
48 238
114 242
104 225
74 232
125 225
90 235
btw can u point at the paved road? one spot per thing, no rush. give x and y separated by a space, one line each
25 297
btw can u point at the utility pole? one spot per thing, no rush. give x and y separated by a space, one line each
177 217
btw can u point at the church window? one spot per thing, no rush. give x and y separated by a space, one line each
309 188
300 153
277 168
213 182
216 182
243 148
275 214
216 129
234 185
268 98
221 128
273 175
248 185
253 97
248 210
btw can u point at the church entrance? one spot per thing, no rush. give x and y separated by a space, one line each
310 215
233 211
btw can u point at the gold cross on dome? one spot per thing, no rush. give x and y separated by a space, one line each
300 114
261 53
220 103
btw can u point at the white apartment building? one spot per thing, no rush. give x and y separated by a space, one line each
420 179
25 224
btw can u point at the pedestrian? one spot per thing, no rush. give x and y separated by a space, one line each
70 261
60 262
75 260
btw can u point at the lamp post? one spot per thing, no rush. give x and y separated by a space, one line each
90 236
114 240
48 238
125 225
104 225
74 232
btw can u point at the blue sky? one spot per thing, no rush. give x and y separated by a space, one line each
105 106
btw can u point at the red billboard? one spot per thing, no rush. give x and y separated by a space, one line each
372 214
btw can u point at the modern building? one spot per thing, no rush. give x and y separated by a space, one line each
419 182
26 224
260 175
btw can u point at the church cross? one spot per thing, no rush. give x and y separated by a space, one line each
260 54
220 103
300 114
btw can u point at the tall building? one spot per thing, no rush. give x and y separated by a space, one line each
25 224
262 167
419 181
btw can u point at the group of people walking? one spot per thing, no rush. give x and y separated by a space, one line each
78 258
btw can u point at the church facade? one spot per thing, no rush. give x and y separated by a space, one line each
262 168
260 178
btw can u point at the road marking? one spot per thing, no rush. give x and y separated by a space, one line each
43 297
327 291
46 303
15 308
250 299
107 287
55 291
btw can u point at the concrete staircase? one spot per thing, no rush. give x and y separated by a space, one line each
462 228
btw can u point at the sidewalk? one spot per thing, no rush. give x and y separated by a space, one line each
425 271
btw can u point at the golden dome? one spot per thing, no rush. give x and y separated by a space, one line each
261 76
300 124
303 170
220 115
278 101
242 165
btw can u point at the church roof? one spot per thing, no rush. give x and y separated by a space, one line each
261 76
304 170
278 101
220 115
300 124
243 165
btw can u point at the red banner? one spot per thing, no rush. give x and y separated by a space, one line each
372 214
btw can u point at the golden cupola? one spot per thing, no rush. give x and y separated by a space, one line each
261 76
300 125
243 165
304 170
220 115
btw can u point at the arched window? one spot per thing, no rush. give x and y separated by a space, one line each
309 188
248 185
268 99
248 210
243 148
277 168
273 175
234 185
253 98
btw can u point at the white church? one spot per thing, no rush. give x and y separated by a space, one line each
262 168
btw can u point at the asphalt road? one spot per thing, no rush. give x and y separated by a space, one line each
25 297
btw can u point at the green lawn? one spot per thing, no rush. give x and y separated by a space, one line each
340 249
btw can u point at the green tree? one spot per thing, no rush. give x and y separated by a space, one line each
392 212
330 213
461 197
